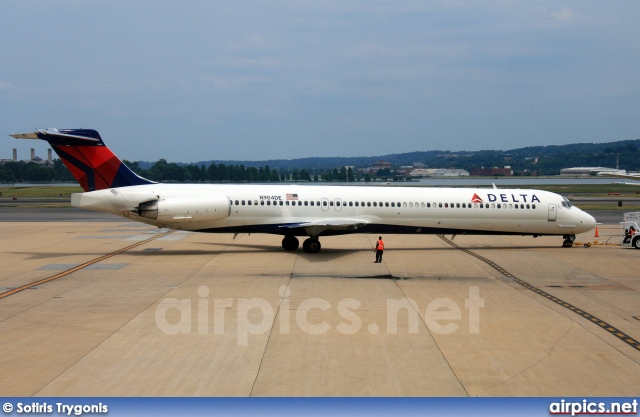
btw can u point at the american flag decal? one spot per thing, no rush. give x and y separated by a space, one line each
292 196
476 199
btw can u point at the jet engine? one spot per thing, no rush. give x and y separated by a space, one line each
185 209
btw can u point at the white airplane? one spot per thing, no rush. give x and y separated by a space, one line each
632 176
306 210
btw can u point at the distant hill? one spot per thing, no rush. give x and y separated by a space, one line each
579 152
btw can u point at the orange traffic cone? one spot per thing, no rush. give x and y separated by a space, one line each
596 235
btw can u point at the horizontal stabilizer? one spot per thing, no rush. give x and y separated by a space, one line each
80 137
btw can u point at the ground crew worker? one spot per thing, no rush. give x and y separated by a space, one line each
379 249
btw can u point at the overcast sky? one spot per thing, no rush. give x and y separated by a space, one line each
199 80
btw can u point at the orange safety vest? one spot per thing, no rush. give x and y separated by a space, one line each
380 245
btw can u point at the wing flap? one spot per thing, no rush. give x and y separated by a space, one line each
340 224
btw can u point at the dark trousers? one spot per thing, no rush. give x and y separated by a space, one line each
379 255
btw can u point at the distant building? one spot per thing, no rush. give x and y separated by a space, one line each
588 171
35 159
378 165
438 173
489 172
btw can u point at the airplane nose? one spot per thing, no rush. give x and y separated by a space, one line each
588 220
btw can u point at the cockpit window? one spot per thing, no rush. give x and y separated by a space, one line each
566 203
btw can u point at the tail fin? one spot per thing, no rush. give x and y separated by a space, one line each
90 161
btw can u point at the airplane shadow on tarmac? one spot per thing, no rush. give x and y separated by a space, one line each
326 254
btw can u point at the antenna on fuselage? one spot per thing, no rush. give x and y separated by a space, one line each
494 185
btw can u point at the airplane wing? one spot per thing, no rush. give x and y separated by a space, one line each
316 227
635 177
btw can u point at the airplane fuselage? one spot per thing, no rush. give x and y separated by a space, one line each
296 209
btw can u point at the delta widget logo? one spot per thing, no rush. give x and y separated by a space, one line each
476 199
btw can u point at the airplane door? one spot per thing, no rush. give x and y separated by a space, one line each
325 204
337 204
553 214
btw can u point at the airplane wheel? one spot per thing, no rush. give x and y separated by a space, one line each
636 243
311 246
567 243
290 243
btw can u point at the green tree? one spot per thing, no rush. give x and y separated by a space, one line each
350 175
342 176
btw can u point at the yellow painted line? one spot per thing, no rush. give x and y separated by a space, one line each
611 329
79 267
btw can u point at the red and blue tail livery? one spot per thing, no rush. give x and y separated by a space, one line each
84 153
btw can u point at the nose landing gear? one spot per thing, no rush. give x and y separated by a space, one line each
568 241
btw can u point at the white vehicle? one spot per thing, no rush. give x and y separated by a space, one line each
629 236
303 210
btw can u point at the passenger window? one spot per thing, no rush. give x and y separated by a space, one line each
386 204
368 204
255 202
440 205
499 205
510 206
299 203
404 204
338 203
242 202
331 203
306 203
533 206
356 204
281 202
311 202
350 203
422 205
375 204
262 202
324 203
411 205
393 204
493 205
249 202
527 207
515 206
268 202
457 205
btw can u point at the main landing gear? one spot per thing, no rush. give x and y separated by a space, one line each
568 241
290 243
311 245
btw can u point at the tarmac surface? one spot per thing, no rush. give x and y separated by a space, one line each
96 308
